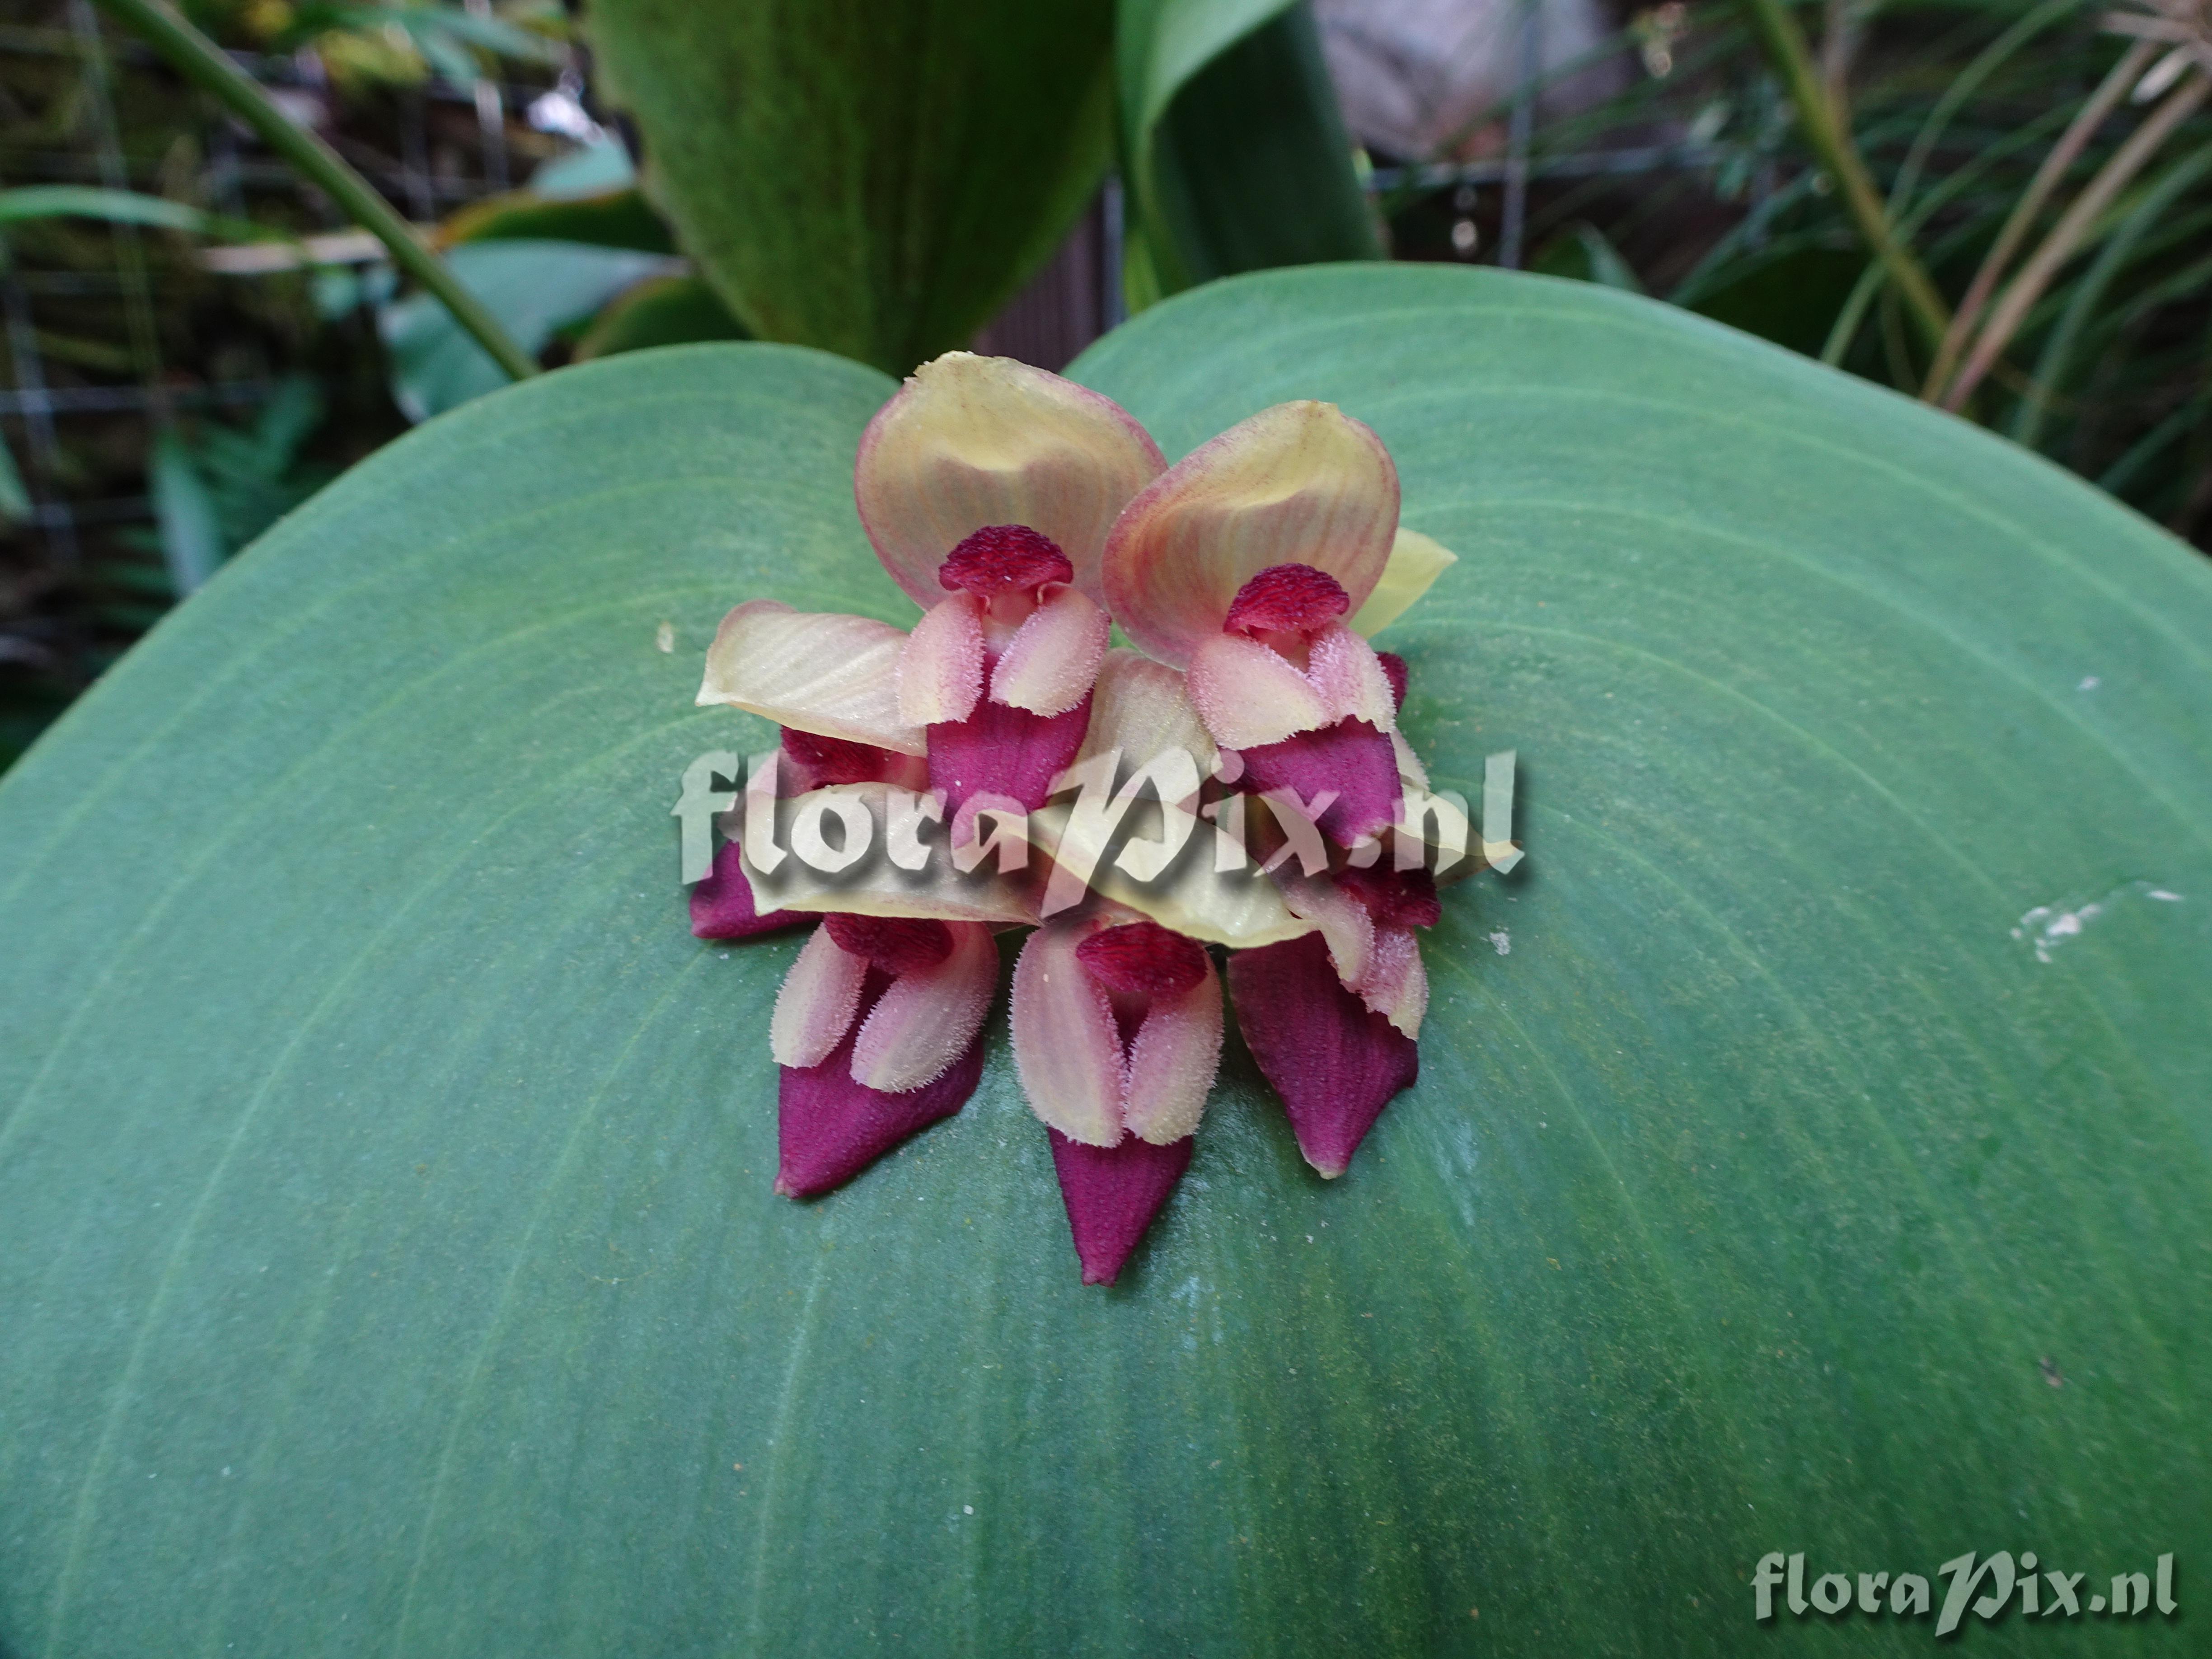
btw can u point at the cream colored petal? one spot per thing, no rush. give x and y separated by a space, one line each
1240 910
1343 920
1248 695
1349 679
940 671
1141 708
814 1009
835 676
876 886
1416 560
1067 1050
1053 659
971 441
1410 770
1396 984
1299 484
924 1020
1172 1062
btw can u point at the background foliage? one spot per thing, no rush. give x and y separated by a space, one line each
1693 182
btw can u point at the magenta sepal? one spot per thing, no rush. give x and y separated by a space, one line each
1350 758
828 1128
1335 1062
1003 750
1112 1194
722 905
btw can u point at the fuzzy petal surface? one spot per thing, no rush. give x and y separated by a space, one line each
1067 1051
1003 750
1298 484
815 1008
927 1020
1052 662
722 906
819 671
1350 757
1333 1061
1344 922
1416 560
1396 983
940 668
973 441
828 1128
1112 1194
1142 708
1172 1062
1249 693
1349 676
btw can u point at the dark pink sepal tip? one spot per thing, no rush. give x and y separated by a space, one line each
828 1128
1334 1062
1112 1194
722 905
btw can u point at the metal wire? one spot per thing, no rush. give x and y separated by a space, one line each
236 165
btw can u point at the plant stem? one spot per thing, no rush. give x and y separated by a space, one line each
1832 145
208 67
2063 154
2025 289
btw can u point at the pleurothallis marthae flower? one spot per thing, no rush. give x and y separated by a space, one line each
1025 515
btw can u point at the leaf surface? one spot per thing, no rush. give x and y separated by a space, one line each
387 1248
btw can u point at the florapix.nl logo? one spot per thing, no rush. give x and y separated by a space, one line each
1101 830
1990 1587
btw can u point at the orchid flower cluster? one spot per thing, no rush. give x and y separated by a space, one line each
1025 515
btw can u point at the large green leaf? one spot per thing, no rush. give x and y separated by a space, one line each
387 1250
1234 149
873 176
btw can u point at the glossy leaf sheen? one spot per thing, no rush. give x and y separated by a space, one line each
386 1247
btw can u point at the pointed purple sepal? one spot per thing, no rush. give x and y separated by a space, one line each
828 1128
1000 749
1335 1062
1350 758
1112 1194
722 905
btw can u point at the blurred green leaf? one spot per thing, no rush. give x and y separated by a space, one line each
125 207
219 489
1789 292
618 218
1586 255
441 34
657 312
15 499
1234 148
534 288
590 195
594 169
192 544
873 176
